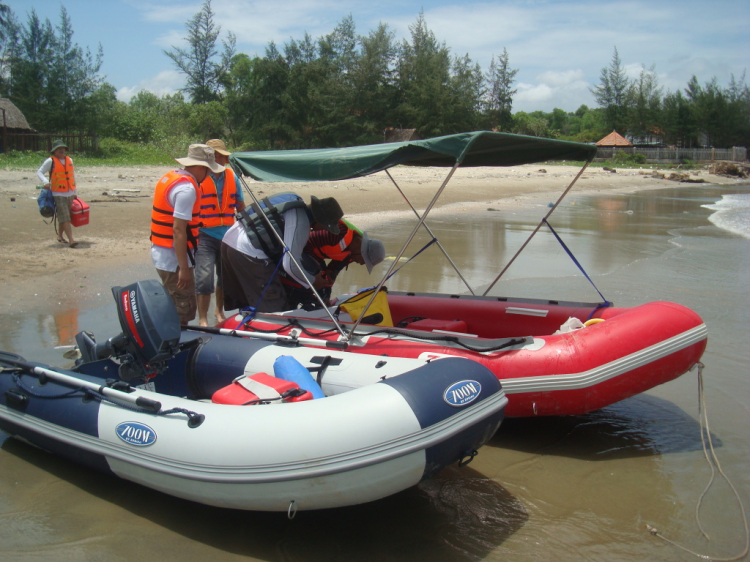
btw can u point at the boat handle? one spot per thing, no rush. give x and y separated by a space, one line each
292 511
467 457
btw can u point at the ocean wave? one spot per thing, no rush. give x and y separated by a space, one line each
732 214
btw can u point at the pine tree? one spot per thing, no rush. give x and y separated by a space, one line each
644 104
612 94
498 98
198 62
423 81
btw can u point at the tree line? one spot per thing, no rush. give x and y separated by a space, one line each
340 89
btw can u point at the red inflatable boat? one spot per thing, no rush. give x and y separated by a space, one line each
618 353
553 358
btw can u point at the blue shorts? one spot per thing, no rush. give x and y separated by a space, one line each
207 261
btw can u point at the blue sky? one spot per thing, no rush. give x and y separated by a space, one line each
559 48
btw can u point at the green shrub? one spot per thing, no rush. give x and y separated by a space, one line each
622 159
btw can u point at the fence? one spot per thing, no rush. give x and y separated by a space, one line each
670 154
42 142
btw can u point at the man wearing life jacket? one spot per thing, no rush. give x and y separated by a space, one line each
252 256
62 182
220 199
350 245
174 226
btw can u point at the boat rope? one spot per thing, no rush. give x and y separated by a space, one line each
294 323
711 460
194 419
575 261
430 243
452 339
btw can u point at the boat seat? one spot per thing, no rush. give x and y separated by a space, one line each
431 324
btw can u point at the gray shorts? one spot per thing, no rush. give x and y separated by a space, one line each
207 261
183 299
62 208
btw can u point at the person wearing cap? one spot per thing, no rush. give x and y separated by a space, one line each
221 197
350 245
252 257
174 226
62 182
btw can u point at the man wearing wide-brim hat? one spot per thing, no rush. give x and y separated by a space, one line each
221 199
175 223
62 182
252 256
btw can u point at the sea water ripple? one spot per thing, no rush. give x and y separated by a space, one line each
732 213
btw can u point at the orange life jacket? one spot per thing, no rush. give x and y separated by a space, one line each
338 252
162 219
211 212
61 177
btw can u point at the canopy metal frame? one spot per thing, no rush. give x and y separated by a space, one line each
481 148
434 237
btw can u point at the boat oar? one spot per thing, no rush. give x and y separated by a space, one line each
112 393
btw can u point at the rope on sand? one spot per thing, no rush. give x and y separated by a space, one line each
706 436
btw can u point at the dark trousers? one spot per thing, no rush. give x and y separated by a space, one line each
244 280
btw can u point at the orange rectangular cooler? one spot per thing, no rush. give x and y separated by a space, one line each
79 212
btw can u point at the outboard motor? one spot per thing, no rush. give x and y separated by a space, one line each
151 331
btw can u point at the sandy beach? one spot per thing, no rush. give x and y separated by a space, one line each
563 488
120 200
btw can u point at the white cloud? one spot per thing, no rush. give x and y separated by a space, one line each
564 78
566 89
166 82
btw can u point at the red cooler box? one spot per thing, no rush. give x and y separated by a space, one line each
79 212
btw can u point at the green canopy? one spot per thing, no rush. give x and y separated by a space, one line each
482 148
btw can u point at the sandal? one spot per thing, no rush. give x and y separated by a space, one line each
73 244
62 240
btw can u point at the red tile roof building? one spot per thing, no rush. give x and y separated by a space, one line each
614 139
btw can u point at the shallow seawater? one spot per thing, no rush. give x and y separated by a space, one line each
563 488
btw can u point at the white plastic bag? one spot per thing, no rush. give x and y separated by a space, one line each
570 325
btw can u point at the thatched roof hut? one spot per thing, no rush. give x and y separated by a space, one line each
614 139
14 119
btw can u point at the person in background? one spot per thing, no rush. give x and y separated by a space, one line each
251 256
174 226
350 245
62 182
221 198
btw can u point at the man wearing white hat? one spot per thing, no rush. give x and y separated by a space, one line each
174 226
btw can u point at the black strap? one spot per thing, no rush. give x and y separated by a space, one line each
324 362
249 223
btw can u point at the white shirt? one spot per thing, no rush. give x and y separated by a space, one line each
296 234
43 175
181 197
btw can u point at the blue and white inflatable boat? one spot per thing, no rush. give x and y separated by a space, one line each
278 424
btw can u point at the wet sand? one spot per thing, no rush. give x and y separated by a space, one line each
116 239
581 487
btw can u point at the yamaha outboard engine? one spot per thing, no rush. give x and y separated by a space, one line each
151 331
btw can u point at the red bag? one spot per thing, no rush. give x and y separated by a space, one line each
79 212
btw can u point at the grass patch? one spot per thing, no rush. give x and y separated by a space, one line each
110 153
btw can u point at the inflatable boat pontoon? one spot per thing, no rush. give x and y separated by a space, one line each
248 423
553 357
